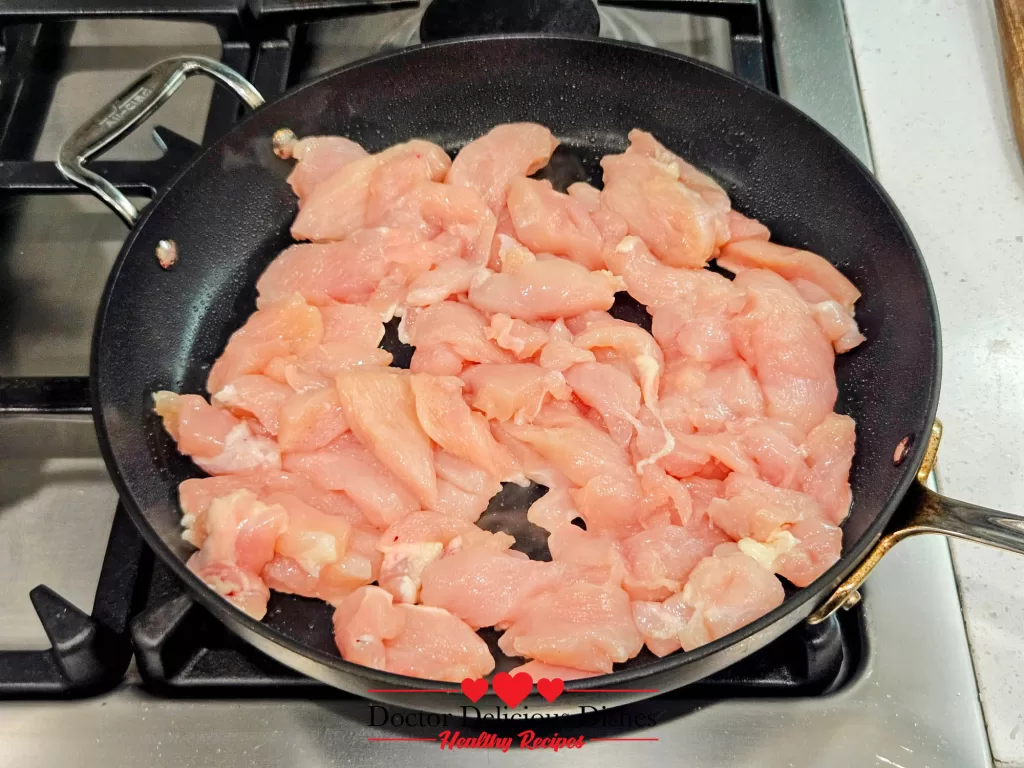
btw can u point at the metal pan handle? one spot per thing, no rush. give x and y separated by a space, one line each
129 108
925 511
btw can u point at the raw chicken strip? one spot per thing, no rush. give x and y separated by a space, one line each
346 465
363 622
599 330
381 411
518 337
837 324
484 587
255 396
359 566
336 208
584 626
217 442
310 420
659 560
742 228
491 163
552 222
560 353
707 398
287 327
240 536
611 392
450 423
792 264
352 324
588 195
455 327
830 447
319 158
448 278
512 392
313 539
793 360
679 226
547 289
643 143
589 556
538 670
435 645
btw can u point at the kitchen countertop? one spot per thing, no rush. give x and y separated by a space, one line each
935 100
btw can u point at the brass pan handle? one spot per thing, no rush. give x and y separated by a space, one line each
129 108
925 511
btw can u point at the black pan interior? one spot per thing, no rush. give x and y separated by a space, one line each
230 211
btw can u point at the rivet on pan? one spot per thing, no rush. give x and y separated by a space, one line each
167 253
284 140
852 599
902 449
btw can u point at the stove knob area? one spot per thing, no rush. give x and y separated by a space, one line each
445 19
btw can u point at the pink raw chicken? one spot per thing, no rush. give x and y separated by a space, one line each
588 556
659 560
455 328
584 626
829 448
217 441
310 420
643 143
776 334
449 278
485 587
319 158
677 223
611 392
490 164
256 396
538 670
517 336
336 208
547 289
552 222
791 264
559 353
346 465
380 410
285 328
786 531
240 536
412 640
513 392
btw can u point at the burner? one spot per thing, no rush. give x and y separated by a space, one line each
458 18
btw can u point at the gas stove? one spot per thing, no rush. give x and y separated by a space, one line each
111 662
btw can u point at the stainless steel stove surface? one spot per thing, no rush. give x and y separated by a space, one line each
911 701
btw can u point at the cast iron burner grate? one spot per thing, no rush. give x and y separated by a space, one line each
178 646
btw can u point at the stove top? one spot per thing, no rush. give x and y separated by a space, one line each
111 658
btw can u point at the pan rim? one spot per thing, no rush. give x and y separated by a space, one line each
797 604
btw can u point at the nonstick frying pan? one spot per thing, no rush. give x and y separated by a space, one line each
229 211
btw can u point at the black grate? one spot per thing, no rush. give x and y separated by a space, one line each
179 648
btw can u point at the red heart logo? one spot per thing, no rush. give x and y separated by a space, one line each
550 689
474 689
512 690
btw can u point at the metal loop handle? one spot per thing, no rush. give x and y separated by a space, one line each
129 108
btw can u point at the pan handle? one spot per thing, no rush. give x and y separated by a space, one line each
925 511
129 108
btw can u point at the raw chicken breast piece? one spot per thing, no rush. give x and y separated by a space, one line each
346 465
552 222
380 409
449 422
518 337
776 334
255 396
584 626
240 535
352 324
743 228
830 448
336 208
287 327
588 195
559 353
313 539
643 143
310 420
485 587
457 328
611 392
599 330
449 278
659 560
724 592
680 227
791 264
490 164
319 158
547 289
435 645
837 324
217 442
554 509
538 670
512 392
589 556
362 623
